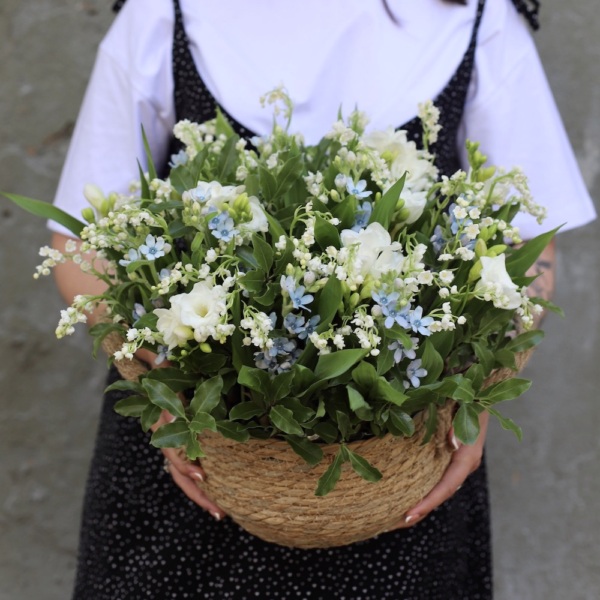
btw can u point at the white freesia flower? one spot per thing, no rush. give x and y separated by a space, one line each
259 218
414 202
402 155
497 282
169 324
194 315
374 253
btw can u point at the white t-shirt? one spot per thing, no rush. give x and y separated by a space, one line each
346 53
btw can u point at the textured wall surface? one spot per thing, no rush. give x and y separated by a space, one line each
544 490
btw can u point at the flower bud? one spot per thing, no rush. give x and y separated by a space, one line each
89 215
475 272
354 300
480 248
205 347
94 195
496 250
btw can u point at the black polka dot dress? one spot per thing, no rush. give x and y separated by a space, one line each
141 538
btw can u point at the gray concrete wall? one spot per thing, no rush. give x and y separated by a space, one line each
544 491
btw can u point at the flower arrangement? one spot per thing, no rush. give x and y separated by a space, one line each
318 293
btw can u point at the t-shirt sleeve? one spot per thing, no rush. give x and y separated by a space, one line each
512 113
124 95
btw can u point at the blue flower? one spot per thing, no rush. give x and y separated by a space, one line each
437 239
201 193
357 189
396 316
414 372
418 322
296 294
131 255
223 227
138 311
363 214
154 247
309 327
179 159
294 323
401 352
384 299
281 346
161 354
164 274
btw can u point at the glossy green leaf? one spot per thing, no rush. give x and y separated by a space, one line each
356 400
164 397
207 395
507 423
171 435
365 376
401 421
466 424
331 476
504 390
150 416
233 431
335 364
525 340
308 450
132 406
263 252
363 467
284 420
246 411
202 421
386 206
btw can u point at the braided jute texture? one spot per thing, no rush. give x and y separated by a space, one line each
265 487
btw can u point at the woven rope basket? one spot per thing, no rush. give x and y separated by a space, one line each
265 487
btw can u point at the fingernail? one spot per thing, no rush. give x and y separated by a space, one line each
216 515
197 475
410 518
455 443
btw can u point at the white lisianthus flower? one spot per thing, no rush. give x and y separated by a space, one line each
375 253
496 281
221 195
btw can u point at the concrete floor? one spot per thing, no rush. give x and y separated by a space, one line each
545 490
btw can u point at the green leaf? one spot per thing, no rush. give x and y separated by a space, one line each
504 390
144 187
233 431
466 424
207 395
385 391
401 421
132 406
202 421
331 476
149 159
301 413
432 362
150 415
254 379
326 234
227 159
506 358
344 424
263 252
356 400
171 435
253 281
173 377
123 385
363 467
246 411
386 206
430 424
329 301
526 340
164 397
328 432
47 211
485 356
306 449
245 254
337 363
222 125
507 423
303 378
365 376
520 260
268 183
464 391
193 449
284 420
281 385
475 375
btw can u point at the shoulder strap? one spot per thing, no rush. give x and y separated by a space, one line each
530 9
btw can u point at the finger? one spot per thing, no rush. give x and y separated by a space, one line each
195 494
453 440
183 465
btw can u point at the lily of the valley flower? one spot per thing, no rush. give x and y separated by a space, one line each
496 282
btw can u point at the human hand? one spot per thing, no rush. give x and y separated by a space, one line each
465 460
185 473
